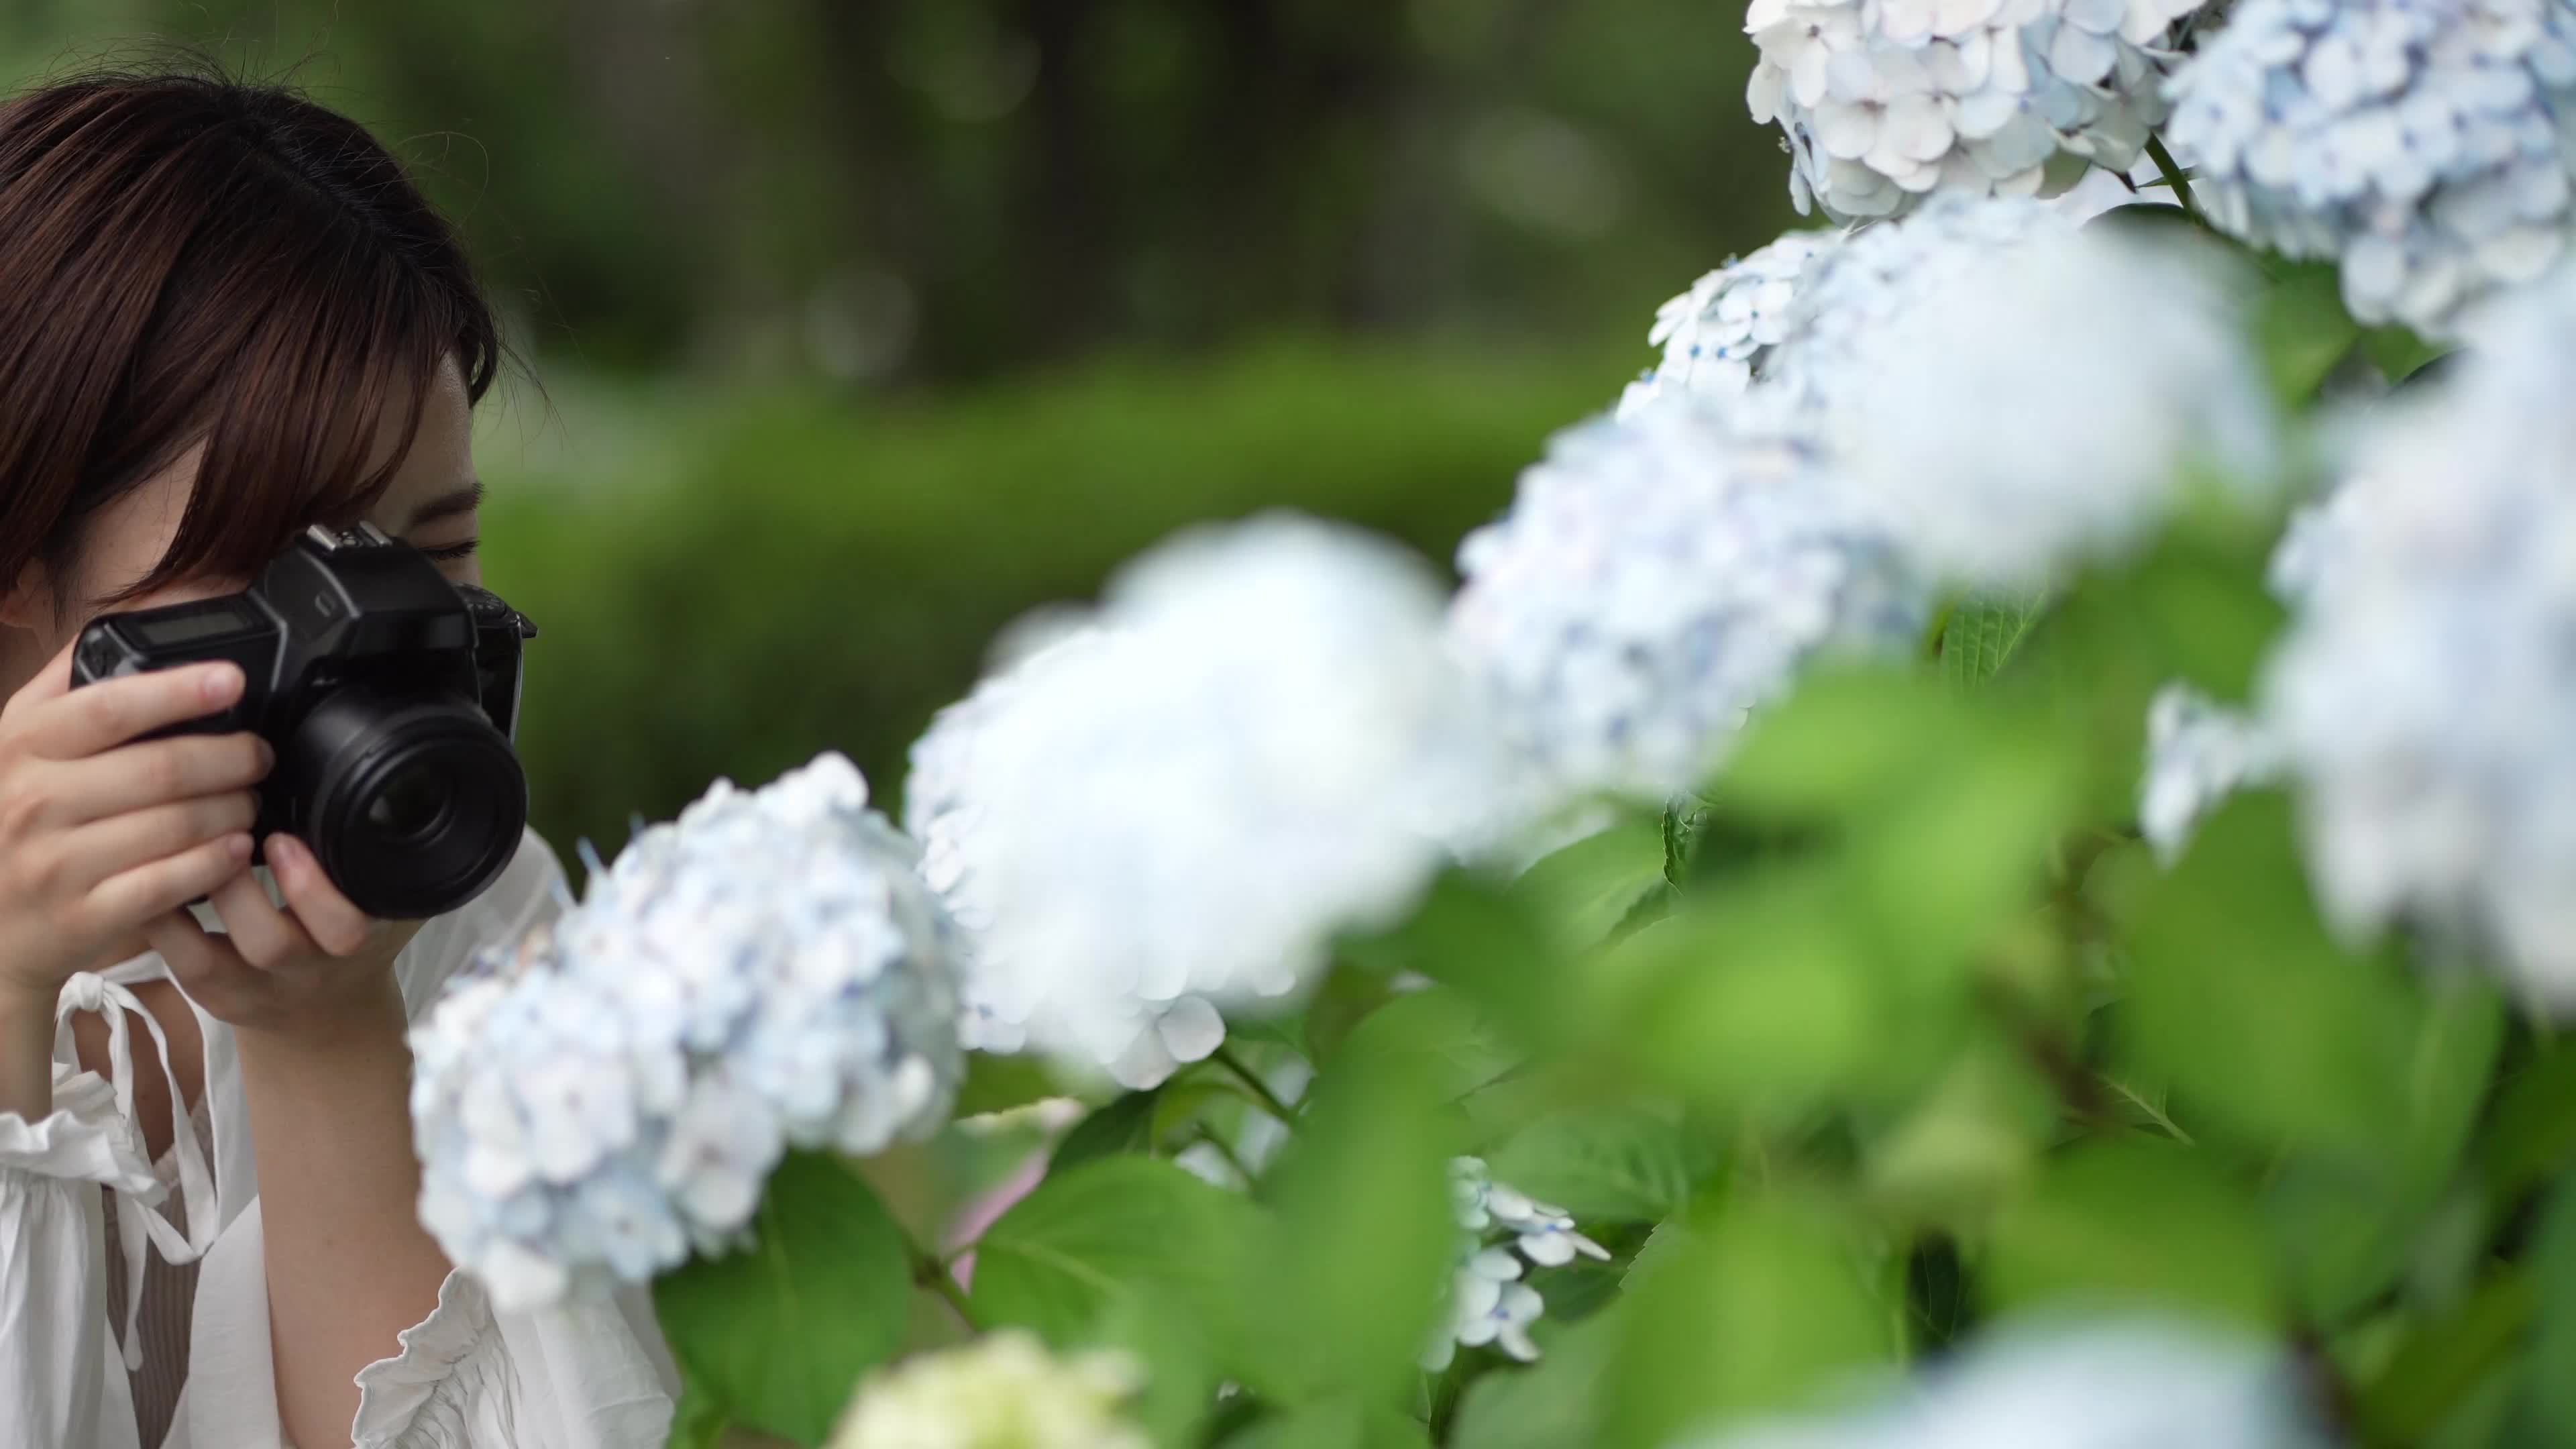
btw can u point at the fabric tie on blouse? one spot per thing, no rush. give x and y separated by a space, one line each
89 991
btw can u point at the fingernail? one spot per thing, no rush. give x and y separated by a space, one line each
222 684
237 846
285 852
267 755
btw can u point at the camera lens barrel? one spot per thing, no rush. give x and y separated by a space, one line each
412 804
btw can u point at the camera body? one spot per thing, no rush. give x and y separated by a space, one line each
390 695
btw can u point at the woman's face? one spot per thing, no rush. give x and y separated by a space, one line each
431 504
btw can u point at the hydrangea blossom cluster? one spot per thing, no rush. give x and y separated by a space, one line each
1715 336
2199 752
2425 693
1002 1391
1655 579
2420 144
945 808
612 1092
1263 743
1884 101
2117 1385
1848 293
2002 441
1501 1232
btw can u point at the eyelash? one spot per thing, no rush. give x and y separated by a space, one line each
454 551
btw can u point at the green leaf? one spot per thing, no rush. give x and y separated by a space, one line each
776 1336
1454 1039
998 1083
1335 1424
1963 848
1586 889
1359 1241
1984 633
2238 997
2551 1385
1180 1387
2533 1135
1615 1164
1068 1252
2446 1359
1548 1405
1766 994
1471 935
2398 353
2304 330
1762 1308
1125 1123
2135 1223
2346 1233
1843 741
697 1421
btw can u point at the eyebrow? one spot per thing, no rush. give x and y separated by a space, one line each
463 500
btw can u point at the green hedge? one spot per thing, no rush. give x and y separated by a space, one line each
728 584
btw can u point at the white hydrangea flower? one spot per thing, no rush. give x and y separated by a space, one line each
1715 335
1260 744
2199 752
612 1091
1847 294
2425 691
1655 580
2051 403
945 808
1884 101
1501 1232
2112 1385
2422 145
1002 1391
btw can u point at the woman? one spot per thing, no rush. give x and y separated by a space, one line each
226 314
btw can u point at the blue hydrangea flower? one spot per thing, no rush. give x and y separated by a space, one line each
1657 578
1502 1233
593 1102
2425 694
1999 441
1716 335
2116 1384
1257 744
1882 102
2422 145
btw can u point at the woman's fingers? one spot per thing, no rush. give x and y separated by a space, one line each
84 722
138 777
207 967
335 925
161 886
94 852
265 936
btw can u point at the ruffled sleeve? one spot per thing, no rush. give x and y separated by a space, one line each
57 1389
467 1378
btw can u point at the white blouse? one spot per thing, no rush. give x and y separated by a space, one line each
73 1363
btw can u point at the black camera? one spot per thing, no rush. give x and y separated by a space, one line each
390 695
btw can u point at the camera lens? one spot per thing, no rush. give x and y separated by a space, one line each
410 806
413 803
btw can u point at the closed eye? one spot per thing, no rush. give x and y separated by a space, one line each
451 553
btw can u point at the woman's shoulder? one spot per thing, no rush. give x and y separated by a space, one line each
530 889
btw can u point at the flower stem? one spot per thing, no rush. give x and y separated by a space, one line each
2172 172
1225 1057
931 1272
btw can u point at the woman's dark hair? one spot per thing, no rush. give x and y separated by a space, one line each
189 259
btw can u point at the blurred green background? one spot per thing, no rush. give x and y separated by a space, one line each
864 326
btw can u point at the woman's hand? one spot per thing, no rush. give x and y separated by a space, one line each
100 836
308 972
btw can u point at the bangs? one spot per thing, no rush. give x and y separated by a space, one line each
195 264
